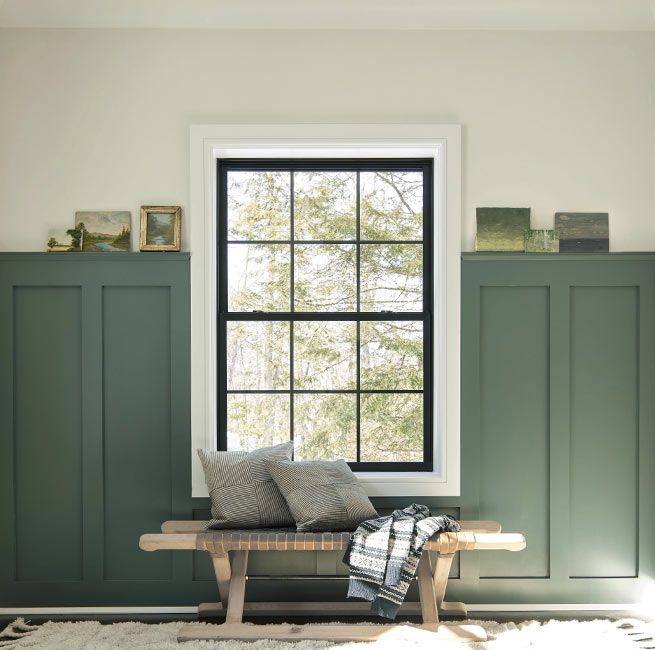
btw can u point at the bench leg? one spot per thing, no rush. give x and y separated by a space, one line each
441 573
237 594
221 564
426 593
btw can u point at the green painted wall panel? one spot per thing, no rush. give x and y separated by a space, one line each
137 446
539 333
604 430
48 432
514 358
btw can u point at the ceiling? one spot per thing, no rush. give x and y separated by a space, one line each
333 14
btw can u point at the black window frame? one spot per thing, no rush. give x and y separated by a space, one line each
426 316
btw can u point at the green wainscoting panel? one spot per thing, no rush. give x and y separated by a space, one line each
557 419
514 372
604 431
557 433
94 427
48 431
137 427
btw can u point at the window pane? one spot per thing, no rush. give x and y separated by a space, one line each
257 355
325 427
325 277
259 277
255 421
391 427
293 241
392 277
391 205
259 205
324 205
325 355
391 355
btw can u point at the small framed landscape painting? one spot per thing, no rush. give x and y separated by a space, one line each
61 240
583 232
501 229
103 232
542 241
160 228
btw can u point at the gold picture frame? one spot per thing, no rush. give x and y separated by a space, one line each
160 228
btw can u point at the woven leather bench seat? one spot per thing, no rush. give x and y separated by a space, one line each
221 541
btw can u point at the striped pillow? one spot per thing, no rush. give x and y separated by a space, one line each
323 495
243 494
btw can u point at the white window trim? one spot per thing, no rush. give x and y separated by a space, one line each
440 142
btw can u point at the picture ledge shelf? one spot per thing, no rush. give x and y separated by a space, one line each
180 256
98 257
569 257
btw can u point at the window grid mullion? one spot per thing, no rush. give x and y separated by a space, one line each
292 297
326 241
323 316
223 306
324 391
358 406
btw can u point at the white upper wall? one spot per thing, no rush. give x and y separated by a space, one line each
98 119
332 14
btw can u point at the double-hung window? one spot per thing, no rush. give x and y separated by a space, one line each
325 313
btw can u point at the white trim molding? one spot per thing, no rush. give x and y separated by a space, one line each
440 142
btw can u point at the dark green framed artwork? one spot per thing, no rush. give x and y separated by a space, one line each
501 229
583 232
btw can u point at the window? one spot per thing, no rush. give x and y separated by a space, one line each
325 309
438 144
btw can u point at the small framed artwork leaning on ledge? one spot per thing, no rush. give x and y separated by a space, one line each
160 228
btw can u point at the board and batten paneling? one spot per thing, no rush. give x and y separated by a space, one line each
48 459
514 371
137 427
94 416
557 415
604 431
557 433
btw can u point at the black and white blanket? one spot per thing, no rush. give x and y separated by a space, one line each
383 555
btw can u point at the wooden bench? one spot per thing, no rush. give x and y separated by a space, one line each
229 553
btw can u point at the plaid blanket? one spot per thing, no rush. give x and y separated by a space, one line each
383 555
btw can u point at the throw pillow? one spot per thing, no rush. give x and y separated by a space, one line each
242 492
322 495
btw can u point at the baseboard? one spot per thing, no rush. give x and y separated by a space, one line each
39 611
183 609
554 607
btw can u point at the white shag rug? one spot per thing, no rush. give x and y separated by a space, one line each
600 634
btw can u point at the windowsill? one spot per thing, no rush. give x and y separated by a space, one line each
384 484
406 484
